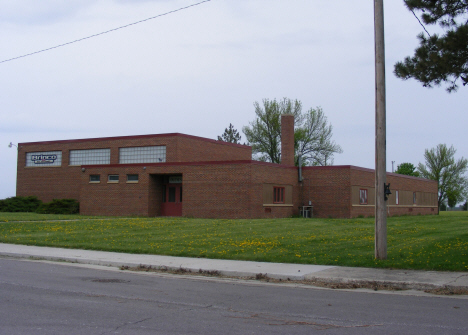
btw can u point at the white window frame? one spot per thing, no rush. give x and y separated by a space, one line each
132 181
95 181
110 178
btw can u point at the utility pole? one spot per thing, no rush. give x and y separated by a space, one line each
380 134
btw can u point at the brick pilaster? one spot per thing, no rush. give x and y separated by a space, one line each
287 139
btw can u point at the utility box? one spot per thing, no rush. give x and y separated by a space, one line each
306 211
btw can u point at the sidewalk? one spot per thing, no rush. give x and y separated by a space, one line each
360 277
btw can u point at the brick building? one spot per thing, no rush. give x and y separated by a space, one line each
182 175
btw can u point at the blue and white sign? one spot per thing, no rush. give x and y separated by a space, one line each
43 159
49 158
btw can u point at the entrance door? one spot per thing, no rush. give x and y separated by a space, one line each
172 200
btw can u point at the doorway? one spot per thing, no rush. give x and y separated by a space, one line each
171 204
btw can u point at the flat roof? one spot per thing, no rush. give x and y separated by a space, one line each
132 137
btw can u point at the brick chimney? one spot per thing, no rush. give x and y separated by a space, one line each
287 139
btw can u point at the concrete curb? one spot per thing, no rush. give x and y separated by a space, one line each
231 268
328 276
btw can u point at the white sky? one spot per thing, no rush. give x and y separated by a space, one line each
197 70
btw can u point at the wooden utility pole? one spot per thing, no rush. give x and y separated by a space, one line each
380 134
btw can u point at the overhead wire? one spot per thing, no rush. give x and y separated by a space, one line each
104 32
422 25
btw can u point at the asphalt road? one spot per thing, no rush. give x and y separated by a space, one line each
52 298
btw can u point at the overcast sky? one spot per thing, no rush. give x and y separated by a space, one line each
197 70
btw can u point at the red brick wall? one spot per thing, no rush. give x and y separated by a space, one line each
232 188
265 173
287 140
115 199
365 178
195 149
329 190
210 190
331 186
49 183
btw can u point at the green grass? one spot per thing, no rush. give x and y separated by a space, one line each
414 242
10 217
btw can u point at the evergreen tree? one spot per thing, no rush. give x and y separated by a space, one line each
439 58
465 206
230 135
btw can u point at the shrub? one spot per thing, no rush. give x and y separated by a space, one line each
60 206
20 204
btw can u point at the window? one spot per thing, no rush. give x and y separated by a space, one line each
278 195
89 157
113 178
172 194
44 158
397 200
94 178
132 178
175 179
414 198
153 154
363 197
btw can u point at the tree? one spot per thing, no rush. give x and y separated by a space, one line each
441 166
439 58
443 207
452 198
312 133
312 139
465 206
407 169
230 135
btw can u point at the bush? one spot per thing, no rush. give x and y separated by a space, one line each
465 206
60 206
20 204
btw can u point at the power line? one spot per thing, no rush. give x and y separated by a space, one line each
420 22
104 32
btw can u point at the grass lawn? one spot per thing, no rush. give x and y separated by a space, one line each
9 217
414 242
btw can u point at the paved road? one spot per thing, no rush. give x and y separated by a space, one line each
46 298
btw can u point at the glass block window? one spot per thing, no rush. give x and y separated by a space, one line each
153 154
44 158
90 157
